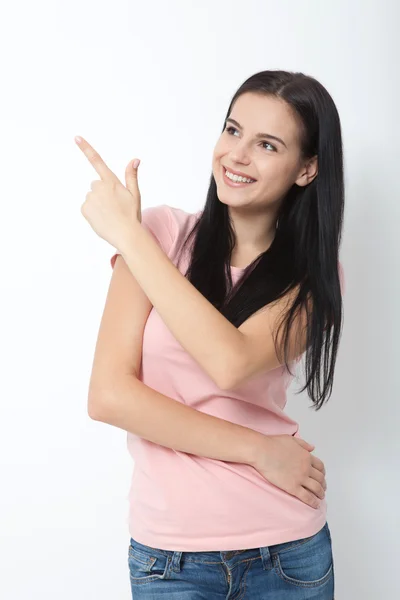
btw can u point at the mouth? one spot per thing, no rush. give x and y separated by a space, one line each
235 184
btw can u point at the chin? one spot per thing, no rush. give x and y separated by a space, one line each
233 202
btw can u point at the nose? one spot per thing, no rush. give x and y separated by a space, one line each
240 154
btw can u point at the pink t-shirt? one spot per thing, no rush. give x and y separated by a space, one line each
179 501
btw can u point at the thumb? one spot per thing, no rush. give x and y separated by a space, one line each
131 177
305 444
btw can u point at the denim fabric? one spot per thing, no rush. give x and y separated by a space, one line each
298 570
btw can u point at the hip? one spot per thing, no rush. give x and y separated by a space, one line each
301 569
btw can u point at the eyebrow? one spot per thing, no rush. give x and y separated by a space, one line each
258 135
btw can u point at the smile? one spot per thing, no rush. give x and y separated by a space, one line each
235 181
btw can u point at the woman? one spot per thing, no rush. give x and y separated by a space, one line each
206 316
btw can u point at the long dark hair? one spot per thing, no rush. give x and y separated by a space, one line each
305 251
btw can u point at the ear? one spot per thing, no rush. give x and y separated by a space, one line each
308 172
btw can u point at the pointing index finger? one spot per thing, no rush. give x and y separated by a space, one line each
95 160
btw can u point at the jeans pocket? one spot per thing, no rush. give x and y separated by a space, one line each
146 564
307 562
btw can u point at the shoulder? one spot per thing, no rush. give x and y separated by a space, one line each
170 224
159 222
181 219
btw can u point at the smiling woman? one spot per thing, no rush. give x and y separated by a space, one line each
195 355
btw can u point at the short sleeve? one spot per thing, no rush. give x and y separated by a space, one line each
157 220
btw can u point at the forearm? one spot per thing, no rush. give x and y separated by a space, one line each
201 329
137 408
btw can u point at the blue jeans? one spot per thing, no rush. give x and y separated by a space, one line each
298 570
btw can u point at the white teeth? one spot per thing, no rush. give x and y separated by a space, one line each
238 178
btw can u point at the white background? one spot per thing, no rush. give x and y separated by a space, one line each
153 80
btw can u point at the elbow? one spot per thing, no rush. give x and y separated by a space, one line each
233 375
96 407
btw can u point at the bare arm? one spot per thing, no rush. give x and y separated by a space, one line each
133 406
214 343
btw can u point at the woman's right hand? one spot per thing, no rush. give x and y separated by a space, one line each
287 462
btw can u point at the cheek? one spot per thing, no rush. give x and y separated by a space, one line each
274 178
216 163
276 171
221 148
216 152
217 156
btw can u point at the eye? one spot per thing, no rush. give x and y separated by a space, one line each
230 129
273 147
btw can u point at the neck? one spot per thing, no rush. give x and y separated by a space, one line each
254 235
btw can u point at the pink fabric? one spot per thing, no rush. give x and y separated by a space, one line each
179 501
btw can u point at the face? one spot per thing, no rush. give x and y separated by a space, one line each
274 165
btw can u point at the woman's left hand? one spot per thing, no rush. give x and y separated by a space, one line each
111 208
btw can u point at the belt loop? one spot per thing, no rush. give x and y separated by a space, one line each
266 558
176 561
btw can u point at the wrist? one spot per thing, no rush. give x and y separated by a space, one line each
257 444
128 238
